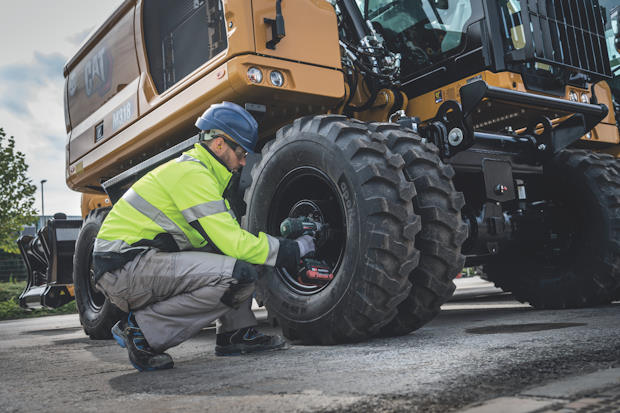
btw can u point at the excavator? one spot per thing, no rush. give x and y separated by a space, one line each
426 135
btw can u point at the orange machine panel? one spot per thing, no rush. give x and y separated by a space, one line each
311 31
240 40
92 201
607 130
103 72
148 114
160 128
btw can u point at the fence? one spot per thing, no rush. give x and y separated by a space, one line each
12 267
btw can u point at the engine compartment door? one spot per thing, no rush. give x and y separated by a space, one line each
311 31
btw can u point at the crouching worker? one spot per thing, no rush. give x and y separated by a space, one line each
172 255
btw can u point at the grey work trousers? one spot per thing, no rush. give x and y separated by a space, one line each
175 294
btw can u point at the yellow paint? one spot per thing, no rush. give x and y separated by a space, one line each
311 32
382 108
93 201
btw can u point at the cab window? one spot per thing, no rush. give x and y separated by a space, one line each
423 31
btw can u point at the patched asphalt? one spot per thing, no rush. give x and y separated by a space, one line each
475 351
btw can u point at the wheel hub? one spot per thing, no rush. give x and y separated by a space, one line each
307 208
307 191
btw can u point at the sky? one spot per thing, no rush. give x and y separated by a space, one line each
38 38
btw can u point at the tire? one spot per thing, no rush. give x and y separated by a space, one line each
443 232
97 313
613 163
584 266
346 177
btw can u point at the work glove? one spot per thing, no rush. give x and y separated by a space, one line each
306 245
288 255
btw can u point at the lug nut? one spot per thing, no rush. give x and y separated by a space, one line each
455 137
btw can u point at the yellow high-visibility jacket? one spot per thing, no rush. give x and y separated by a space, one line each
179 206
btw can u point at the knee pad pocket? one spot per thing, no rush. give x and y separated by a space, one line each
244 273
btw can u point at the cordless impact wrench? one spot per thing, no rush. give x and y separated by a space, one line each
316 272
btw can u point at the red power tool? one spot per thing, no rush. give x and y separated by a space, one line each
316 272
313 271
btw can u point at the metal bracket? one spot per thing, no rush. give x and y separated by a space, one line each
277 27
552 139
449 130
498 180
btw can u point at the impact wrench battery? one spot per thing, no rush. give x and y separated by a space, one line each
316 272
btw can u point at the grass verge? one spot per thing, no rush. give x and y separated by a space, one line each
10 309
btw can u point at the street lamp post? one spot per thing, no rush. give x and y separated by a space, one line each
42 203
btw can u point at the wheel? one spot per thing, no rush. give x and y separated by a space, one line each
97 313
614 164
335 170
568 255
443 232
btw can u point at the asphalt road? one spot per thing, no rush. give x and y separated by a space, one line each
475 350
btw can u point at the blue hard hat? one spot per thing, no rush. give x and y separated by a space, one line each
232 119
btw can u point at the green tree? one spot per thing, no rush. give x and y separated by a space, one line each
16 194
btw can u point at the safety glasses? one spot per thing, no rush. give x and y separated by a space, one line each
239 151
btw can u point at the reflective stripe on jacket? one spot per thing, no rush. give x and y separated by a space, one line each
177 207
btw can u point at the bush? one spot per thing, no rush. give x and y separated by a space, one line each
9 303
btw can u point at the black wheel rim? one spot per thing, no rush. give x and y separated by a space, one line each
308 191
96 299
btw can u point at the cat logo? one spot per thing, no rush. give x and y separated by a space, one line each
438 96
72 83
97 73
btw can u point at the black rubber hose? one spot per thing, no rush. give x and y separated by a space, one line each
370 101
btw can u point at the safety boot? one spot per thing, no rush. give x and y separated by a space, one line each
128 335
246 340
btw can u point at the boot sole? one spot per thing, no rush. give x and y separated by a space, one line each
141 369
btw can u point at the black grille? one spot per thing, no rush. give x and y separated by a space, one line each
568 33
